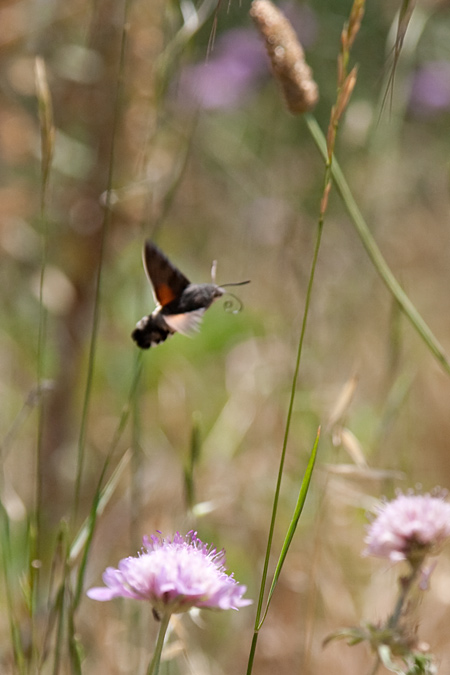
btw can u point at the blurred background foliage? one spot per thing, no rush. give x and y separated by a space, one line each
206 160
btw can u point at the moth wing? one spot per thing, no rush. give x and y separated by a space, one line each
167 281
187 323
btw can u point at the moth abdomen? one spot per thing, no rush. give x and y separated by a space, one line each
150 331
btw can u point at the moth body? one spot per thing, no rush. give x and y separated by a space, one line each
180 304
194 297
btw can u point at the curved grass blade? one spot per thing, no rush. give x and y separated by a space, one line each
374 252
293 524
287 542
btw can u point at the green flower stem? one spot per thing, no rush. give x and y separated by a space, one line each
406 584
391 624
153 668
374 252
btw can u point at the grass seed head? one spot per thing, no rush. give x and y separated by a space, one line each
287 57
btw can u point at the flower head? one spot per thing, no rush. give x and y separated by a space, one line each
409 527
174 575
230 75
430 92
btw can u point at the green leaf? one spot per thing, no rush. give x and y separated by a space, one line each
294 522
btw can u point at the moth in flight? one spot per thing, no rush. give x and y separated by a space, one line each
180 304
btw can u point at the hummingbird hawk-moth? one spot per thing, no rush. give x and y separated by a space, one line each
180 304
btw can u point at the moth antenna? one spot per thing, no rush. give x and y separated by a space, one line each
235 283
213 271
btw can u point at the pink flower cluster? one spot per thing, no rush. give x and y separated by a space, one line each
174 575
408 525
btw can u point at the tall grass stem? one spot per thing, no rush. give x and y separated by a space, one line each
103 241
47 147
284 446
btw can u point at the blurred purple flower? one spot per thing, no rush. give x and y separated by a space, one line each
409 527
236 65
229 74
431 88
174 575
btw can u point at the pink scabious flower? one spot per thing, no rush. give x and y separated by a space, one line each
409 527
174 575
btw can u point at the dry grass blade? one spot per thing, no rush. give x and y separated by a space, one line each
45 117
343 401
347 439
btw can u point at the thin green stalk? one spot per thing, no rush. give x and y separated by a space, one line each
103 239
14 626
47 146
393 621
374 252
284 446
55 610
75 658
405 587
102 496
136 460
59 608
64 602
153 668
345 86
135 622
194 454
35 520
31 401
